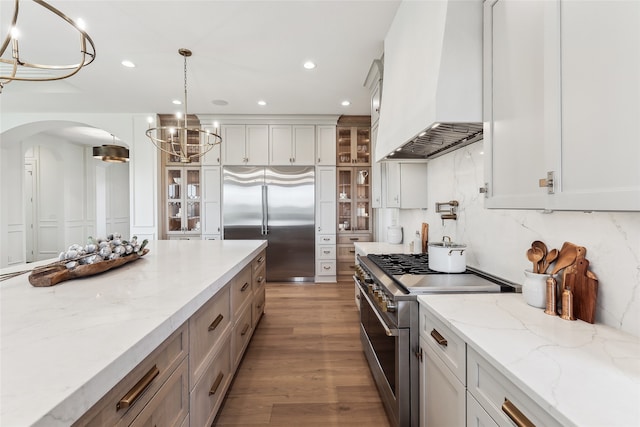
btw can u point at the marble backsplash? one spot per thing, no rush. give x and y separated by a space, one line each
498 239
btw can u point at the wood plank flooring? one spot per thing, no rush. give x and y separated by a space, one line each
304 365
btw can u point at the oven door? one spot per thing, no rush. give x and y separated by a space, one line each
387 351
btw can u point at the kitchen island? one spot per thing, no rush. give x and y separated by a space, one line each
577 373
63 347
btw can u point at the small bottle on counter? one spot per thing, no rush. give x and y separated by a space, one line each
417 243
551 297
567 305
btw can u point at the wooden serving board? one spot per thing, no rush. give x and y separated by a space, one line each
425 237
584 286
53 274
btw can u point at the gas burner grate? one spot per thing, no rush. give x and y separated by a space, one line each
400 264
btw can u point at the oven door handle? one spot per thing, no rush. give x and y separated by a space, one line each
387 330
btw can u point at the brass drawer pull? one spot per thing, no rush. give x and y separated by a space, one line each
515 415
354 239
439 338
244 287
352 251
259 260
260 279
137 390
216 322
244 330
216 384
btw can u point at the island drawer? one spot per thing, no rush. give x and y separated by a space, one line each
500 397
208 326
170 405
259 261
259 278
207 394
123 403
241 335
240 290
446 344
258 305
326 268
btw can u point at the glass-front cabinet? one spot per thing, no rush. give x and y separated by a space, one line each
353 145
183 202
354 204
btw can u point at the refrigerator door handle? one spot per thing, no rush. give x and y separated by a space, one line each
265 212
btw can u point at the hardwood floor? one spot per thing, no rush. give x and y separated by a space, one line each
304 365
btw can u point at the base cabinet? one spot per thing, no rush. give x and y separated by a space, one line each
184 380
476 416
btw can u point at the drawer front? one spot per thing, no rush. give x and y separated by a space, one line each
326 252
498 396
240 290
351 238
326 268
346 253
208 393
207 327
259 278
476 415
258 305
326 239
151 373
170 405
452 349
260 261
346 268
241 335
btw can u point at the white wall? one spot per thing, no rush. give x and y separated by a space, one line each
498 239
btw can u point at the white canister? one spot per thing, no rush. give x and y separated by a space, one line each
394 234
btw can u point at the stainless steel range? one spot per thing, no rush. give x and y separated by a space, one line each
389 325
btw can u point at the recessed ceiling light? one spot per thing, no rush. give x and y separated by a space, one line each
309 65
220 102
262 103
128 64
346 103
177 102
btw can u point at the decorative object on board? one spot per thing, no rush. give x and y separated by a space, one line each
97 256
578 291
22 69
111 153
175 140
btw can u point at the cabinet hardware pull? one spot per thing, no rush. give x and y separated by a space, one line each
354 238
260 279
352 251
244 287
244 330
326 252
515 415
137 390
419 354
216 384
260 259
439 338
326 267
216 322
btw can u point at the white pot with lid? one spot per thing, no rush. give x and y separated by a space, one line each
447 257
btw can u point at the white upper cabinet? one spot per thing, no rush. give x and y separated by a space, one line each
211 187
245 144
406 185
326 145
292 145
211 157
561 88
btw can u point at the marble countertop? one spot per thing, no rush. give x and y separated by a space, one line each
364 248
63 347
582 374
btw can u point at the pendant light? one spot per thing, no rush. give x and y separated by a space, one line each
111 153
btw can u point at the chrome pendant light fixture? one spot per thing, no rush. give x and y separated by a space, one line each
53 72
111 153
184 142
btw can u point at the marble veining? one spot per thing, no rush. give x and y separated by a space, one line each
582 374
63 347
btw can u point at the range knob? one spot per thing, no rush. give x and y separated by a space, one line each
391 306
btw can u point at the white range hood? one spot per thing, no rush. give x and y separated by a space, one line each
432 75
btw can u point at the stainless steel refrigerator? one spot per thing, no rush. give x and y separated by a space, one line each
276 204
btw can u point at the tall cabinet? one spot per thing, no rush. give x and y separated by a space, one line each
354 214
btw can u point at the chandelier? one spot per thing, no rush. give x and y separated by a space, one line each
111 153
59 72
183 142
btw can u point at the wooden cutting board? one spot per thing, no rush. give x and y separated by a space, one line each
425 236
584 286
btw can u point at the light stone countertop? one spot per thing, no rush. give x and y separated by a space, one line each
63 347
582 374
365 248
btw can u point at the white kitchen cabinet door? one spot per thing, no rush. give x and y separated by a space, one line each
326 200
233 144
326 145
376 175
562 84
257 144
211 200
212 157
514 104
391 173
304 144
442 395
280 142
406 185
599 156
476 415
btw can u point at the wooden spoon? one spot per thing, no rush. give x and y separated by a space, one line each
535 255
540 245
566 257
552 255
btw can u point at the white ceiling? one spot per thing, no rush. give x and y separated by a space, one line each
243 51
